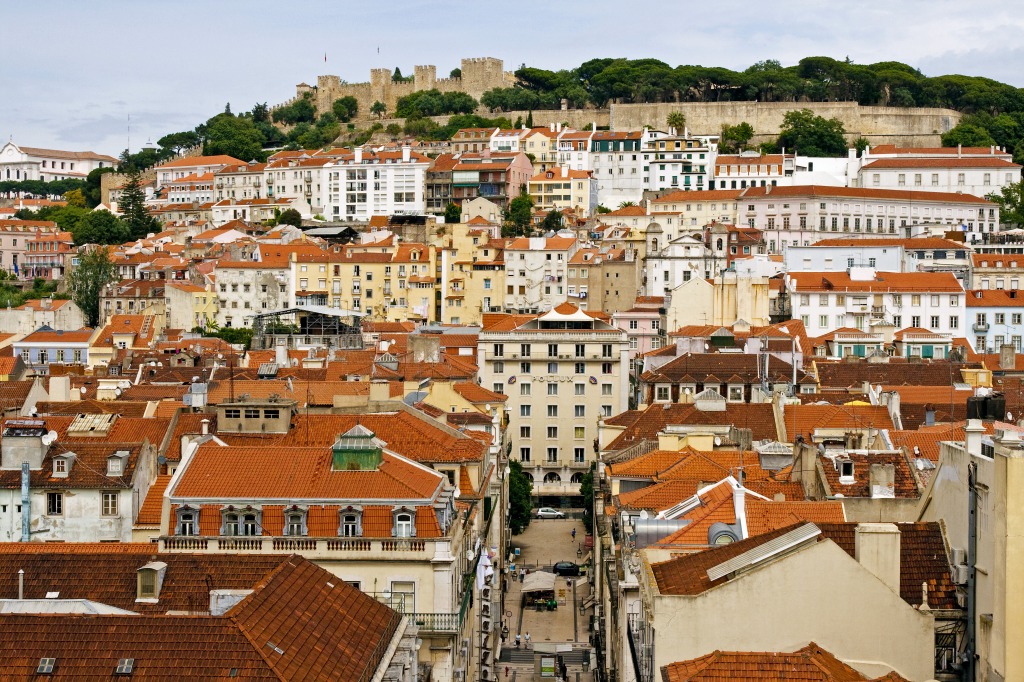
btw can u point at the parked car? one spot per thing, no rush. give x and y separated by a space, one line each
549 513
566 568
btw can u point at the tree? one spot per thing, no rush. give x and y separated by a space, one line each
393 129
75 198
860 144
810 135
260 113
626 204
396 77
519 212
455 73
603 209
378 109
101 227
233 136
92 192
519 122
529 119
968 135
94 271
227 109
677 120
345 108
552 222
133 208
179 142
1011 204
452 213
587 491
734 139
290 216
520 498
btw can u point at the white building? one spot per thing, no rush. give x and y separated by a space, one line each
302 177
863 298
676 262
996 317
972 170
244 181
753 169
536 272
32 163
562 371
176 169
247 288
618 164
191 189
685 162
801 215
835 258
364 184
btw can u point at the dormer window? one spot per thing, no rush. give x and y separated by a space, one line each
295 521
350 522
846 472
241 522
61 466
188 521
149 580
115 465
405 526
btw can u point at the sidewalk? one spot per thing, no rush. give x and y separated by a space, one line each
545 542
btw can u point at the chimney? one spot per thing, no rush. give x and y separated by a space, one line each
882 479
739 504
973 434
21 583
359 154
281 355
565 171
558 127
379 391
406 153
206 427
552 127
959 151
1007 357
877 548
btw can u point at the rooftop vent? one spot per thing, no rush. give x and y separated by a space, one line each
357 450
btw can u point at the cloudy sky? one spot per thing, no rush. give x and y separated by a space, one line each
72 73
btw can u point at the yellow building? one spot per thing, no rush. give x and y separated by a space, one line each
392 282
189 305
562 187
542 145
472 271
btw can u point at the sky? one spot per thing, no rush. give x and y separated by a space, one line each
72 74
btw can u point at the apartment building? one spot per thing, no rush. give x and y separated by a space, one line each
753 169
996 271
562 371
996 317
472 140
603 278
363 184
980 171
243 181
298 177
472 272
618 164
48 254
561 188
15 236
680 162
166 173
681 211
19 163
247 288
536 272
862 298
542 145
189 305
574 149
496 176
438 183
133 297
803 214
194 188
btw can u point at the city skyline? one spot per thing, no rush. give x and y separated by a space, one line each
166 79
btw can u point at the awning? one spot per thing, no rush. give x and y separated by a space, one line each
538 581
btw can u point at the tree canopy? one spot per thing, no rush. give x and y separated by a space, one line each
520 491
132 207
804 132
434 103
94 271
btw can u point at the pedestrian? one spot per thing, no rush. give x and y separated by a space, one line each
574 535
527 640
518 640
506 671
522 575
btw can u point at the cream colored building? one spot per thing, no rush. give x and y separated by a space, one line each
536 271
189 305
998 464
560 187
563 371
542 145
472 271
732 297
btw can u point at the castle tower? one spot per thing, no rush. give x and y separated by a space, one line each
425 77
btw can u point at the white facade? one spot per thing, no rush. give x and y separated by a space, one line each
863 298
247 289
680 161
839 258
305 178
365 185
240 182
31 163
680 260
536 272
618 162
995 317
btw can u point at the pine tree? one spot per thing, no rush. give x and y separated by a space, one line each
529 119
133 207
93 272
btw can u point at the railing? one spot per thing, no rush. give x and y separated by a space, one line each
436 622
980 326
410 549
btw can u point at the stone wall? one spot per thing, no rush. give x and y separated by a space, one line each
880 125
478 76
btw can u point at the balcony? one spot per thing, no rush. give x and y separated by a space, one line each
980 326
437 622
355 549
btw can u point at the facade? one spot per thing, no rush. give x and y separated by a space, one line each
996 271
562 371
679 211
617 162
542 145
15 236
803 214
995 318
863 297
753 169
365 184
19 163
195 188
562 188
438 183
49 312
189 305
133 297
304 178
247 288
47 254
46 346
496 176
166 173
244 181
977 175
680 162
536 270
605 278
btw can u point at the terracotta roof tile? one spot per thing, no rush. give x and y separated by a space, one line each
755 416
804 419
149 512
809 664
906 487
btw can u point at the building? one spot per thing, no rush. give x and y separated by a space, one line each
803 214
536 272
194 188
996 271
678 212
46 346
362 184
19 163
980 171
579 363
189 305
618 164
47 255
561 188
918 254
246 288
995 316
303 177
438 183
753 169
176 169
496 176
680 162
863 297
542 145
243 181
604 278
55 313
133 297
15 236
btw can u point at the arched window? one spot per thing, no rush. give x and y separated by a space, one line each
350 522
718 244
528 476
188 521
244 521
295 521
654 244
552 477
405 526
577 478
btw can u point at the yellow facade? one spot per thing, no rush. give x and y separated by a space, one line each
473 275
542 146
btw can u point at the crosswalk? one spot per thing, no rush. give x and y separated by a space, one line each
574 657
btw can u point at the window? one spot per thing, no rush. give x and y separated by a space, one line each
661 393
579 432
54 504
552 410
45 664
552 388
736 394
351 523
125 666
403 525
580 368
524 410
581 350
108 503
252 413
499 350
579 410
935 321
606 389
295 523
525 367
579 389
524 389
1000 318
188 521
524 431
524 454
524 350
552 455
552 350
633 324
606 368
552 432
954 322
915 320
552 368
579 455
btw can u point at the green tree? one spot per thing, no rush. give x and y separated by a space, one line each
603 209
91 191
455 73
301 110
520 498
94 271
101 227
520 210
734 139
378 109
393 129
968 135
452 213
345 108
260 113
529 119
552 222
290 216
1011 204
179 142
677 120
75 198
233 136
810 135
860 144
587 491
626 204
133 208
396 77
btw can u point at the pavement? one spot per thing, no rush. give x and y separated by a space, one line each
545 542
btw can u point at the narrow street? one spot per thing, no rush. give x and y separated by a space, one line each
545 542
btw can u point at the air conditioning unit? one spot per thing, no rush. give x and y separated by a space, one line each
486 673
485 623
464 651
959 574
485 609
563 357
959 556
485 592
485 657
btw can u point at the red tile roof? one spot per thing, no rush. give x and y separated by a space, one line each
861 193
809 664
973 161
882 282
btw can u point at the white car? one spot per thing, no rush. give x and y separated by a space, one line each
549 513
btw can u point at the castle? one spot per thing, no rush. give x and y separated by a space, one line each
478 76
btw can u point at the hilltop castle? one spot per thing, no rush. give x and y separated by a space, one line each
478 76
